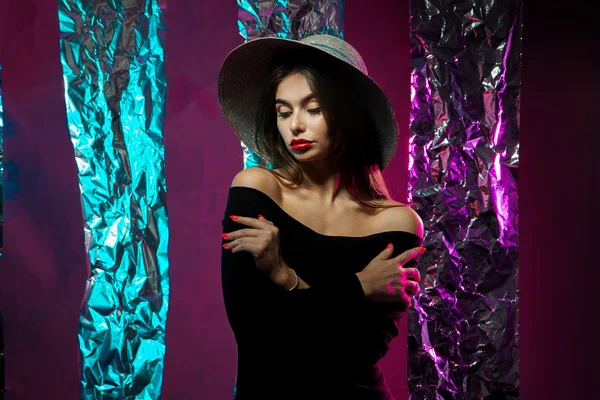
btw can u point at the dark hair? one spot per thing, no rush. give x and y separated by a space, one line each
349 125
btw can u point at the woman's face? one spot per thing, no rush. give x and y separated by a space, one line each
300 120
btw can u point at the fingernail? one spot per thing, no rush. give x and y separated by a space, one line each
389 245
422 250
233 216
260 216
225 245
224 235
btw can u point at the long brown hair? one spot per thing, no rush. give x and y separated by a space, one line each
348 123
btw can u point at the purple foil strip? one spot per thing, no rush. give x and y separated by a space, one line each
463 332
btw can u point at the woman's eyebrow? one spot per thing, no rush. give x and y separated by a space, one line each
304 100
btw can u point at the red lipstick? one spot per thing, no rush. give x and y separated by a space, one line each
300 144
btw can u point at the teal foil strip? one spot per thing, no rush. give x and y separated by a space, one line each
251 159
289 19
112 54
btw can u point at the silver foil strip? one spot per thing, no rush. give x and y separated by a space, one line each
463 332
113 63
290 19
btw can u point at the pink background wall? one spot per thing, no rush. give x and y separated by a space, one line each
43 269
381 35
202 157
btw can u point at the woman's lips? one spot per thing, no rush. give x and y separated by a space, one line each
301 146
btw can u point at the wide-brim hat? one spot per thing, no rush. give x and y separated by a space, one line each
245 69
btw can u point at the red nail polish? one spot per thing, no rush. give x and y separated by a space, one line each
224 235
260 216
233 216
225 245
389 245
422 250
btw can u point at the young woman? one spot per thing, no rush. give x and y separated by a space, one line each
316 255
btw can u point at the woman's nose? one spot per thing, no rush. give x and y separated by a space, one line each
297 123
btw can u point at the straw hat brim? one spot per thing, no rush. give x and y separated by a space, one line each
242 78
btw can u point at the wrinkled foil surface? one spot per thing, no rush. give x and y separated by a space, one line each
113 64
463 332
289 19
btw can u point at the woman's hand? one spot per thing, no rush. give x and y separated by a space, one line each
386 280
261 240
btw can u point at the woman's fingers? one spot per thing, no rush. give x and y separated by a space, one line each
386 253
257 223
409 255
411 274
241 233
406 299
411 288
260 217
256 226
249 244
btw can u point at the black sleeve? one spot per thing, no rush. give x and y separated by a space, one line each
255 306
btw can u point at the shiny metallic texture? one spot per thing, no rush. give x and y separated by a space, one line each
464 153
112 54
292 19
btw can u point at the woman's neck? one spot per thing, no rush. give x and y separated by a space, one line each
324 181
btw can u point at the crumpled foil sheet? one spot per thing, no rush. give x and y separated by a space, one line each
463 332
113 61
290 19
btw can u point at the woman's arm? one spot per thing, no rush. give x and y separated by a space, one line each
300 322
253 301
250 291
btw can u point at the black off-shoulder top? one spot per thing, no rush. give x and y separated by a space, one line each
324 342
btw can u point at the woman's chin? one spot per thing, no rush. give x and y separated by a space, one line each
308 160
308 156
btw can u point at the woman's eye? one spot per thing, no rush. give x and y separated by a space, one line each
283 114
314 110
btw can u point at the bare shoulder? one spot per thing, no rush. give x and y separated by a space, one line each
401 217
259 179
